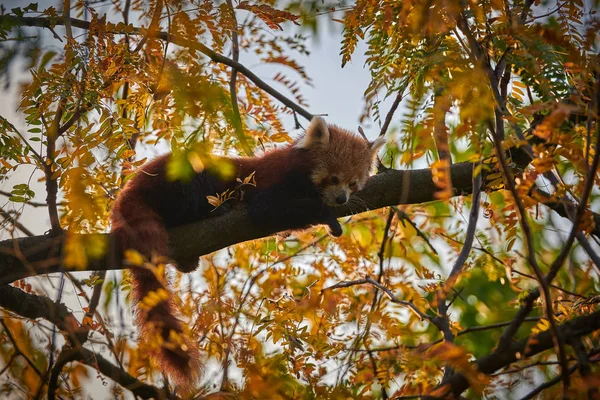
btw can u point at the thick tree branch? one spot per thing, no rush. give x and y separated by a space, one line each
535 344
33 307
41 254
238 124
106 368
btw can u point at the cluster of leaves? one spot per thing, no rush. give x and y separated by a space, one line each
369 315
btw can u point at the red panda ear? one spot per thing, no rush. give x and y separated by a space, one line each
376 144
317 134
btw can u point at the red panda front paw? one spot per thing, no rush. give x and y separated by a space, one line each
335 229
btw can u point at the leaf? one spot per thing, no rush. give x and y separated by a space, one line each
133 257
213 200
269 15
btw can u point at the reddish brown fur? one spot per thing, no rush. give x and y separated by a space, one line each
344 146
137 226
149 204
273 166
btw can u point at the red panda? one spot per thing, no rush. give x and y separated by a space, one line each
295 186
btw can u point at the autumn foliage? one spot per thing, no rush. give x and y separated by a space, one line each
485 286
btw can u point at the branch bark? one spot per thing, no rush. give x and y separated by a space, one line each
24 257
578 327
106 368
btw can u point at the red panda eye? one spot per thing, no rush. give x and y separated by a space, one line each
335 180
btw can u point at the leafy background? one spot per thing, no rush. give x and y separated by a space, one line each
406 301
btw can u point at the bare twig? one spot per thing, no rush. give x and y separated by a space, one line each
92 311
153 27
392 111
18 349
402 216
238 124
558 7
570 293
548 384
471 229
498 136
15 222
29 203
460 333
557 379
442 319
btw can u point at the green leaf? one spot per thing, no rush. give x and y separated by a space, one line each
46 58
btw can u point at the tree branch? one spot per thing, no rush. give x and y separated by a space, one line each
36 255
534 344
422 316
107 369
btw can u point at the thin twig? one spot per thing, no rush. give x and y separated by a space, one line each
498 137
404 217
154 25
238 124
393 108
558 7
442 319
15 222
120 376
548 384
18 350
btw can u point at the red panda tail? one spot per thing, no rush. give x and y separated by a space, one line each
156 319
137 226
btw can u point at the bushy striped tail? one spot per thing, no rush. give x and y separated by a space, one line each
158 324
136 226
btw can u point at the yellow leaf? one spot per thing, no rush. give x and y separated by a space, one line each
213 201
132 257
74 252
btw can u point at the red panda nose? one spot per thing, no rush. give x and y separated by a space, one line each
341 199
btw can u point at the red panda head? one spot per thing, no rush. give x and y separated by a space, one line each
341 161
